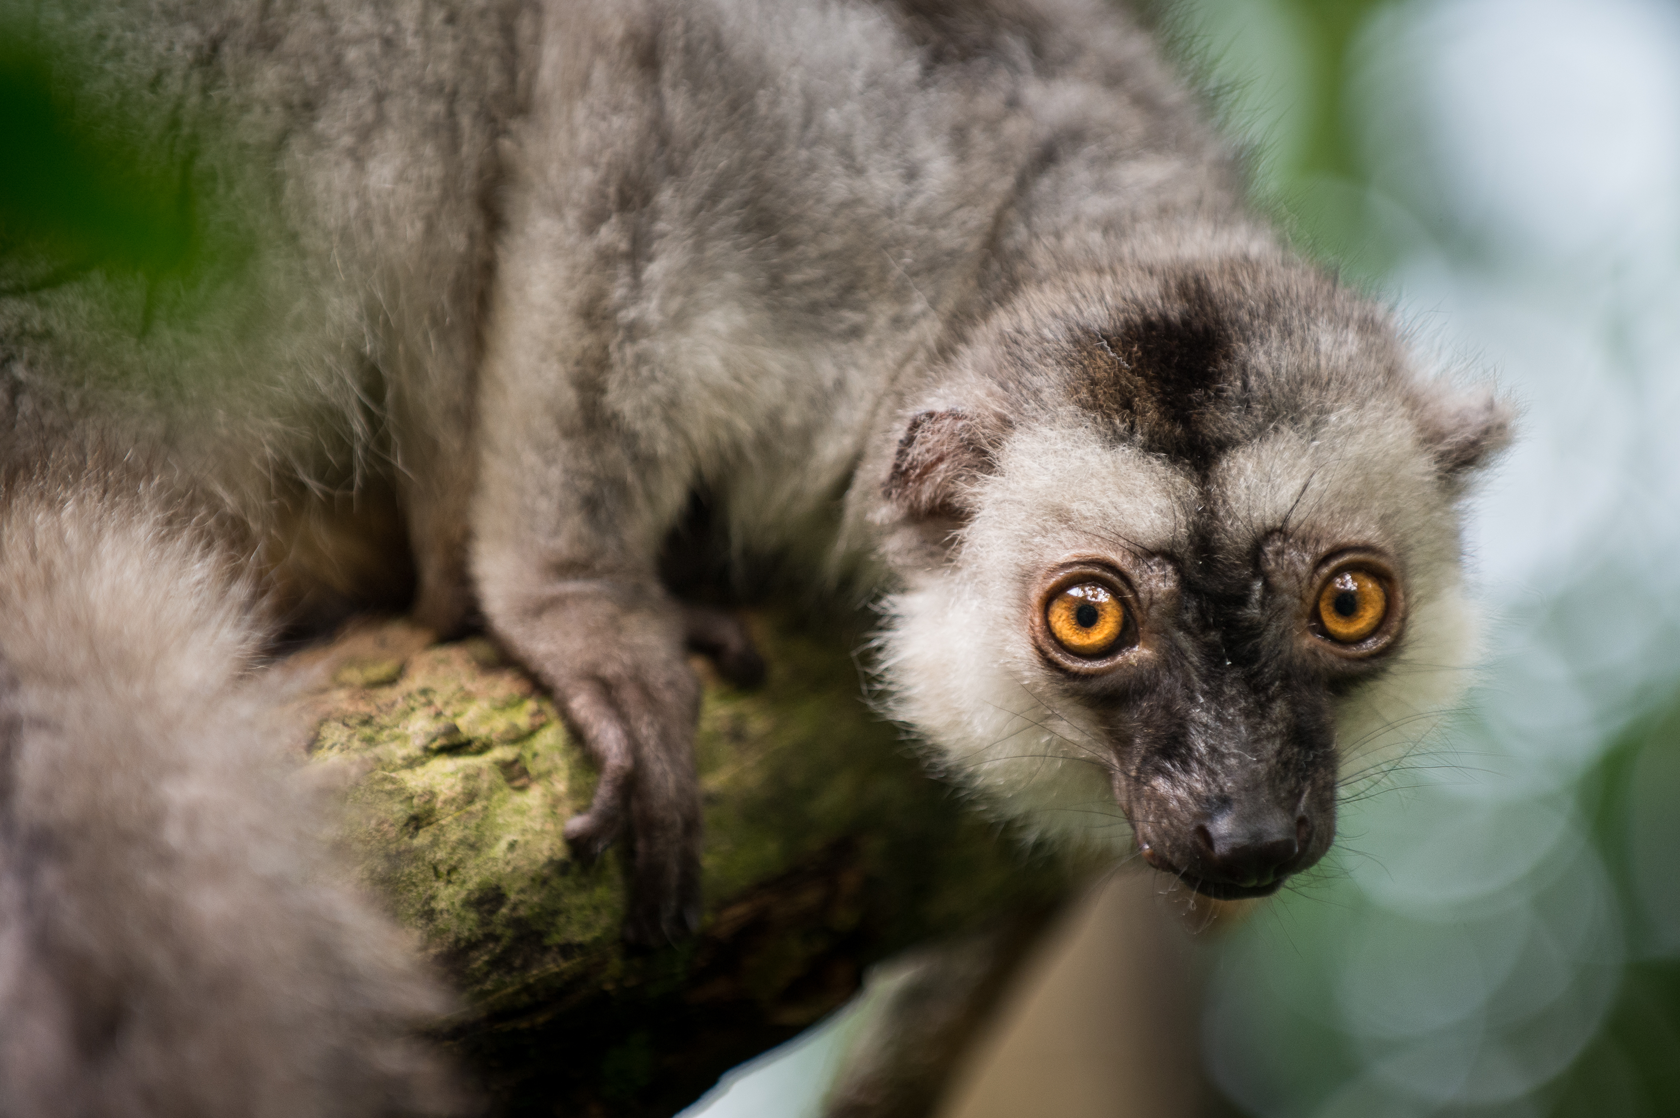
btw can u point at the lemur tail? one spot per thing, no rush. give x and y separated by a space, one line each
172 941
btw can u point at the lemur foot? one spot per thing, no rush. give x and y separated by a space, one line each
613 657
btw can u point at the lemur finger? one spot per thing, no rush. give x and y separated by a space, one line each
591 715
665 817
665 884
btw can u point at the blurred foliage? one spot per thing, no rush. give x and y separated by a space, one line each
78 189
1631 1067
103 173
129 208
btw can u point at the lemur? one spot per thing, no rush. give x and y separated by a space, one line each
958 306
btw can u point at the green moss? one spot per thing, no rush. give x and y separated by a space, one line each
827 848
368 673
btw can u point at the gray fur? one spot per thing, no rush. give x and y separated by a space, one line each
920 298
171 940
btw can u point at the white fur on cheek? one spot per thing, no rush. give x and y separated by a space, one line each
948 674
959 662
1384 722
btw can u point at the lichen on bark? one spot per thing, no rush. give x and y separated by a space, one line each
827 848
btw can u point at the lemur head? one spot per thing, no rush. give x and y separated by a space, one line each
1185 543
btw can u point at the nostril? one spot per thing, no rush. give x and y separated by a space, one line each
1303 834
1204 840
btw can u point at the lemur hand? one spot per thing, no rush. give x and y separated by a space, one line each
613 656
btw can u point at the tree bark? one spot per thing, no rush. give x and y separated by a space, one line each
828 848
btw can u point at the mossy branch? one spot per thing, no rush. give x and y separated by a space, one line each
827 849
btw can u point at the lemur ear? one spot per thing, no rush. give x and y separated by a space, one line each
939 457
1464 430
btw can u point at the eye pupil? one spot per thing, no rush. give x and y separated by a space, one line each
1086 615
1346 603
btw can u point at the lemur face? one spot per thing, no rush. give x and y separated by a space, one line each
1113 635
1183 651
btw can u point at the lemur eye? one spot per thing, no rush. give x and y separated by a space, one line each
1086 619
1352 605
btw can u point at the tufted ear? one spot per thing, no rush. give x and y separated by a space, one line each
939 457
1464 430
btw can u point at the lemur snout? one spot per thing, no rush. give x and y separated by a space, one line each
1250 849
1238 849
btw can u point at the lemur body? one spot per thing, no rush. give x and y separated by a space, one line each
958 303
1006 309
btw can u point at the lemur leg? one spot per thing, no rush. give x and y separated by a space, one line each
567 596
588 455
582 473
575 496
612 652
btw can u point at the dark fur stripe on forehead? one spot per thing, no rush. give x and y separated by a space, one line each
1158 373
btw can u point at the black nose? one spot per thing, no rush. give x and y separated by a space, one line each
1249 846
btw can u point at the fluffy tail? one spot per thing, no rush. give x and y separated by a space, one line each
171 942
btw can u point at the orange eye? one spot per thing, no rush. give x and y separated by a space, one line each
1352 605
1086 619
